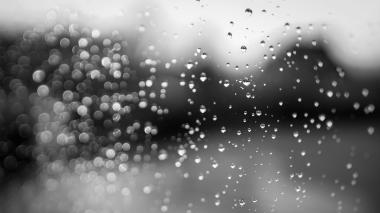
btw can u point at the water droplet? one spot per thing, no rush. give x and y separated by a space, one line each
163 155
226 83
365 92
248 11
189 65
197 159
243 48
38 76
203 77
348 166
221 147
246 82
43 91
241 202
371 130
202 109
214 164
110 153
181 151
204 55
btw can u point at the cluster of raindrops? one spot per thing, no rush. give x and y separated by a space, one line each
73 93
308 99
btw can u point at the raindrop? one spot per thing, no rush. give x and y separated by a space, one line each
246 82
189 65
348 166
43 91
248 11
202 109
371 130
221 147
181 151
243 48
197 159
38 76
214 164
365 92
203 77
163 155
226 83
241 202
204 55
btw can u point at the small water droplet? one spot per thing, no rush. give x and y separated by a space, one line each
242 202
189 65
203 77
204 55
197 159
248 11
221 147
202 109
243 48
371 130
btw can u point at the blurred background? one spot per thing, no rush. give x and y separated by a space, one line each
189 106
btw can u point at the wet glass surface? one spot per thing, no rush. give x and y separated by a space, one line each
188 107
